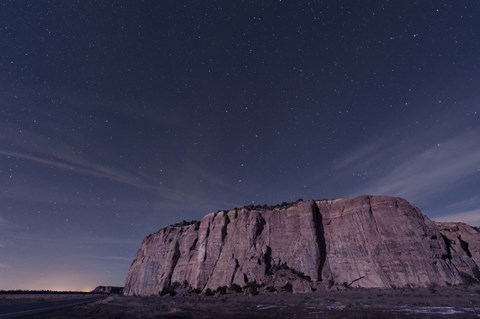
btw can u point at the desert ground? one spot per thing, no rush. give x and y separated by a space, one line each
448 302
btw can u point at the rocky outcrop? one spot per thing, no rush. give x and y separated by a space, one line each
107 290
463 245
368 241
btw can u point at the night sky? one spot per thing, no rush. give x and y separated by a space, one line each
118 118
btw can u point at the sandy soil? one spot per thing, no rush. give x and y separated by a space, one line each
450 302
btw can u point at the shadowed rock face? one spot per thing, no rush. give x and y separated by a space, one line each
463 244
368 241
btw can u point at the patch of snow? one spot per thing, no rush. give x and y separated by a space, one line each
263 307
430 310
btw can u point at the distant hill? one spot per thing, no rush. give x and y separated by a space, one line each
107 290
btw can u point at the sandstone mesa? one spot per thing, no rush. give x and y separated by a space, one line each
367 241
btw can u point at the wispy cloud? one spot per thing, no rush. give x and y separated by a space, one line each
80 240
108 258
466 203
420 174
360 155
37 148
19 143
4 265
5 230
471 217
183 193
3 224
466 210
15 234
81 166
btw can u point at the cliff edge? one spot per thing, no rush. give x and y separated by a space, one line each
368 241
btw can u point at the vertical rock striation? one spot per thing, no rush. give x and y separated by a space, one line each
368 241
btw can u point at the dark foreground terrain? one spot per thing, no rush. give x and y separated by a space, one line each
449 302
19 305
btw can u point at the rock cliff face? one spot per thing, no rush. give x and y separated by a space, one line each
463 247
368 241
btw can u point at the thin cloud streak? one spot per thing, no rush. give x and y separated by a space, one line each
473 201
421 175
471 217
57 154
110 258
167 199
84 167
360 154
17 234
